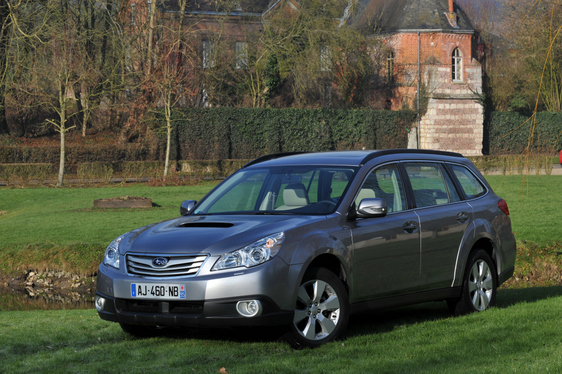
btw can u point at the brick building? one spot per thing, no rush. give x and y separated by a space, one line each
431 42
432 47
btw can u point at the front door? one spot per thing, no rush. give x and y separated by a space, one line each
386 250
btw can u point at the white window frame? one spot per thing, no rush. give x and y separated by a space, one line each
241 55
133 5
390 67
325 58
456 66
207 55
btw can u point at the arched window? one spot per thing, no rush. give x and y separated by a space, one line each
390 67
457 66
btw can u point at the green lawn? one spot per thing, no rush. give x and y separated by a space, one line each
535 205
522 334
58 228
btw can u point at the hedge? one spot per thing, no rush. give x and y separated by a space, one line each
233 133
229 133
76 154
509 133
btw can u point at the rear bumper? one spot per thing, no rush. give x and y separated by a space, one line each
505 275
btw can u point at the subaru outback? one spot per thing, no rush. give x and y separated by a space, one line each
304 240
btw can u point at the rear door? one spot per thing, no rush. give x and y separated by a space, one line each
443 217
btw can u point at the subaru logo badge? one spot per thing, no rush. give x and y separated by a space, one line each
160 261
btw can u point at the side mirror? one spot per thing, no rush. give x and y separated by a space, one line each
372 208
187 206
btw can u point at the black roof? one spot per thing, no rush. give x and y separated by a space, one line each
344 158
388 16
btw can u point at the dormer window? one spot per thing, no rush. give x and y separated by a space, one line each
457 66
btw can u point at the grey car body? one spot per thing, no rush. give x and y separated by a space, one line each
367 230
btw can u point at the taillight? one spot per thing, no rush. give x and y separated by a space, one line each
502 204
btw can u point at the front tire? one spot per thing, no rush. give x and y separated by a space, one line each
321 311
479 285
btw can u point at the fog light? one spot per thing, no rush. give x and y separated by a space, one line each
249 308
100 302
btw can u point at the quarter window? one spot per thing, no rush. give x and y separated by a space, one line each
471 186
430 184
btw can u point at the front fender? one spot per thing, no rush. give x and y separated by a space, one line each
316 245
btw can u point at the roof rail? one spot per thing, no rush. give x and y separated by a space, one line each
408 150
270 157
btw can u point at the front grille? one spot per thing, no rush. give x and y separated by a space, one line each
177 266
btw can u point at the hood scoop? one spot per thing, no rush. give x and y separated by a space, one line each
200 224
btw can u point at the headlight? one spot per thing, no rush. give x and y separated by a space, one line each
111 256
254 254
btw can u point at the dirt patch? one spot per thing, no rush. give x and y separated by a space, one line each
124 202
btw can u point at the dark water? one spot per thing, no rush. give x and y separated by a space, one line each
20 299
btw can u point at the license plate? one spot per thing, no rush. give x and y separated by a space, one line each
157 291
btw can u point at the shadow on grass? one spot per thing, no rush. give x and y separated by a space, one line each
374 322
386 320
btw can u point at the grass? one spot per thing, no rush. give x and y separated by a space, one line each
534 203
521 334
58 229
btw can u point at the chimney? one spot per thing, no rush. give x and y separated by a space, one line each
452 16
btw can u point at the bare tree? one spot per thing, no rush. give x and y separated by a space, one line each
174 75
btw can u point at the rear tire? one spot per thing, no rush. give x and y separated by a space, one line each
321 310
479 285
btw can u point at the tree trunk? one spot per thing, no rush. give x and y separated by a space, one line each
168 110
3 64
62 153
150 53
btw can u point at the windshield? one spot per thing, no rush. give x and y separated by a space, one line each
279 190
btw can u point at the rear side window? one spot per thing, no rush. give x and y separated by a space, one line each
430 184
471 186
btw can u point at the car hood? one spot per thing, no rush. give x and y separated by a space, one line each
214 235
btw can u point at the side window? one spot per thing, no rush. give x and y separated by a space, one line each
430 184
384 182
469 183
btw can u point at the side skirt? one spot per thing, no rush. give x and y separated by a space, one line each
416 298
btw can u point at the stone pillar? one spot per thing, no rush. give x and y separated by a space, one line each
453 124
454 120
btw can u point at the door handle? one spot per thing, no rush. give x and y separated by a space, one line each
410 227
462 217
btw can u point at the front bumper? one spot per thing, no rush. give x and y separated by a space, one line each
208 313
210 300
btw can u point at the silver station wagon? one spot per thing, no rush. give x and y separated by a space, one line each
304 240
